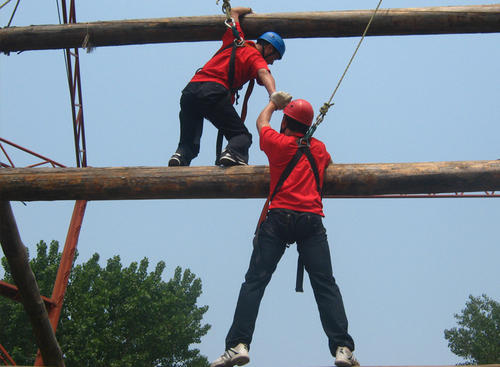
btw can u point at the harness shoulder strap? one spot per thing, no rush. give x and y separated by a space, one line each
286 172
314 167
302 149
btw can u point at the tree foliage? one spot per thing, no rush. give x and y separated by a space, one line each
113 316
477 337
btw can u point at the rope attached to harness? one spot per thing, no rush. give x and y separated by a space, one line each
226 8
326 106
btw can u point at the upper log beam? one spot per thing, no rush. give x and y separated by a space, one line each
125 183
410 21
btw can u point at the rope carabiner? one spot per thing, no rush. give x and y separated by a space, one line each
226 8
232 25
229 22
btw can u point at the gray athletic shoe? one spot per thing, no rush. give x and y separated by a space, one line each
345 358
229 159
233 356
177 160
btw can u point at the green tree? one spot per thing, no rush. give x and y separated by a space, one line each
113 316
477 337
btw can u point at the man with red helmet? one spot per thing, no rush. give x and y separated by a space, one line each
211 92
295 215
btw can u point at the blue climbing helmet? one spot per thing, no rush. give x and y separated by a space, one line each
275 40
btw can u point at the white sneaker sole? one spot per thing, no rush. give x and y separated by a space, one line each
240 360
227 162
344 363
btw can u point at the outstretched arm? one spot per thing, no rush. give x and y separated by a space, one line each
265 116
238 12
265 78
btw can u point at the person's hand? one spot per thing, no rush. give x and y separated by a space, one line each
281 99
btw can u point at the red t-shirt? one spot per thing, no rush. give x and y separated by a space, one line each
247 62
299 190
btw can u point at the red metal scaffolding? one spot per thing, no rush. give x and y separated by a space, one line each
54 304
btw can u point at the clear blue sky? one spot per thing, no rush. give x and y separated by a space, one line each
404 266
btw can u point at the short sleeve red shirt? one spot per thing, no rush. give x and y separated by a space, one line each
248 61
299 190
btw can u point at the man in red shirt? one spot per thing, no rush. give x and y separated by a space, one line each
295 215
211 92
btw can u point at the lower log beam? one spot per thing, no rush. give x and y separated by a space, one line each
127 183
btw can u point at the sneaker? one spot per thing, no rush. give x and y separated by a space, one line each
228 159
176 161
345 358
233 356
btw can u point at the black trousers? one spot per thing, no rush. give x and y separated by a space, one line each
280 228
212 101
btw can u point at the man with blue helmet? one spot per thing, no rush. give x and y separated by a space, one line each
276 41
213 89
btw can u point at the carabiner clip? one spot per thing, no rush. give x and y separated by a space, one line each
229 22
303 142
239 42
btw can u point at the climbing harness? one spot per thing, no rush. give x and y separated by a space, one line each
238 42
302 149
324 109
304 142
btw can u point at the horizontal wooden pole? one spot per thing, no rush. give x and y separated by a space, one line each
126 183
410 21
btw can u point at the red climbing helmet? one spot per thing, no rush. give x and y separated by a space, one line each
300 110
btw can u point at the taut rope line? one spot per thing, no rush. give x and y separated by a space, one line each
324 109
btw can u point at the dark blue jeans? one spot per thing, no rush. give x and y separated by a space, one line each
212 101
280 228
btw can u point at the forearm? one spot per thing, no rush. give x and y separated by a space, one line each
238 12
265 116
267 80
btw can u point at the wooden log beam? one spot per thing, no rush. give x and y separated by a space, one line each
409 21
126 183
17 257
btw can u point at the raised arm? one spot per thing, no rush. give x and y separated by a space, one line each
238 12
265 116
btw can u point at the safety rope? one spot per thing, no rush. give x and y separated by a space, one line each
326 106
13 13
226 8
229 22
5 3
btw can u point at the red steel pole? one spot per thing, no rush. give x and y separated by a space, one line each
9 358
67 257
